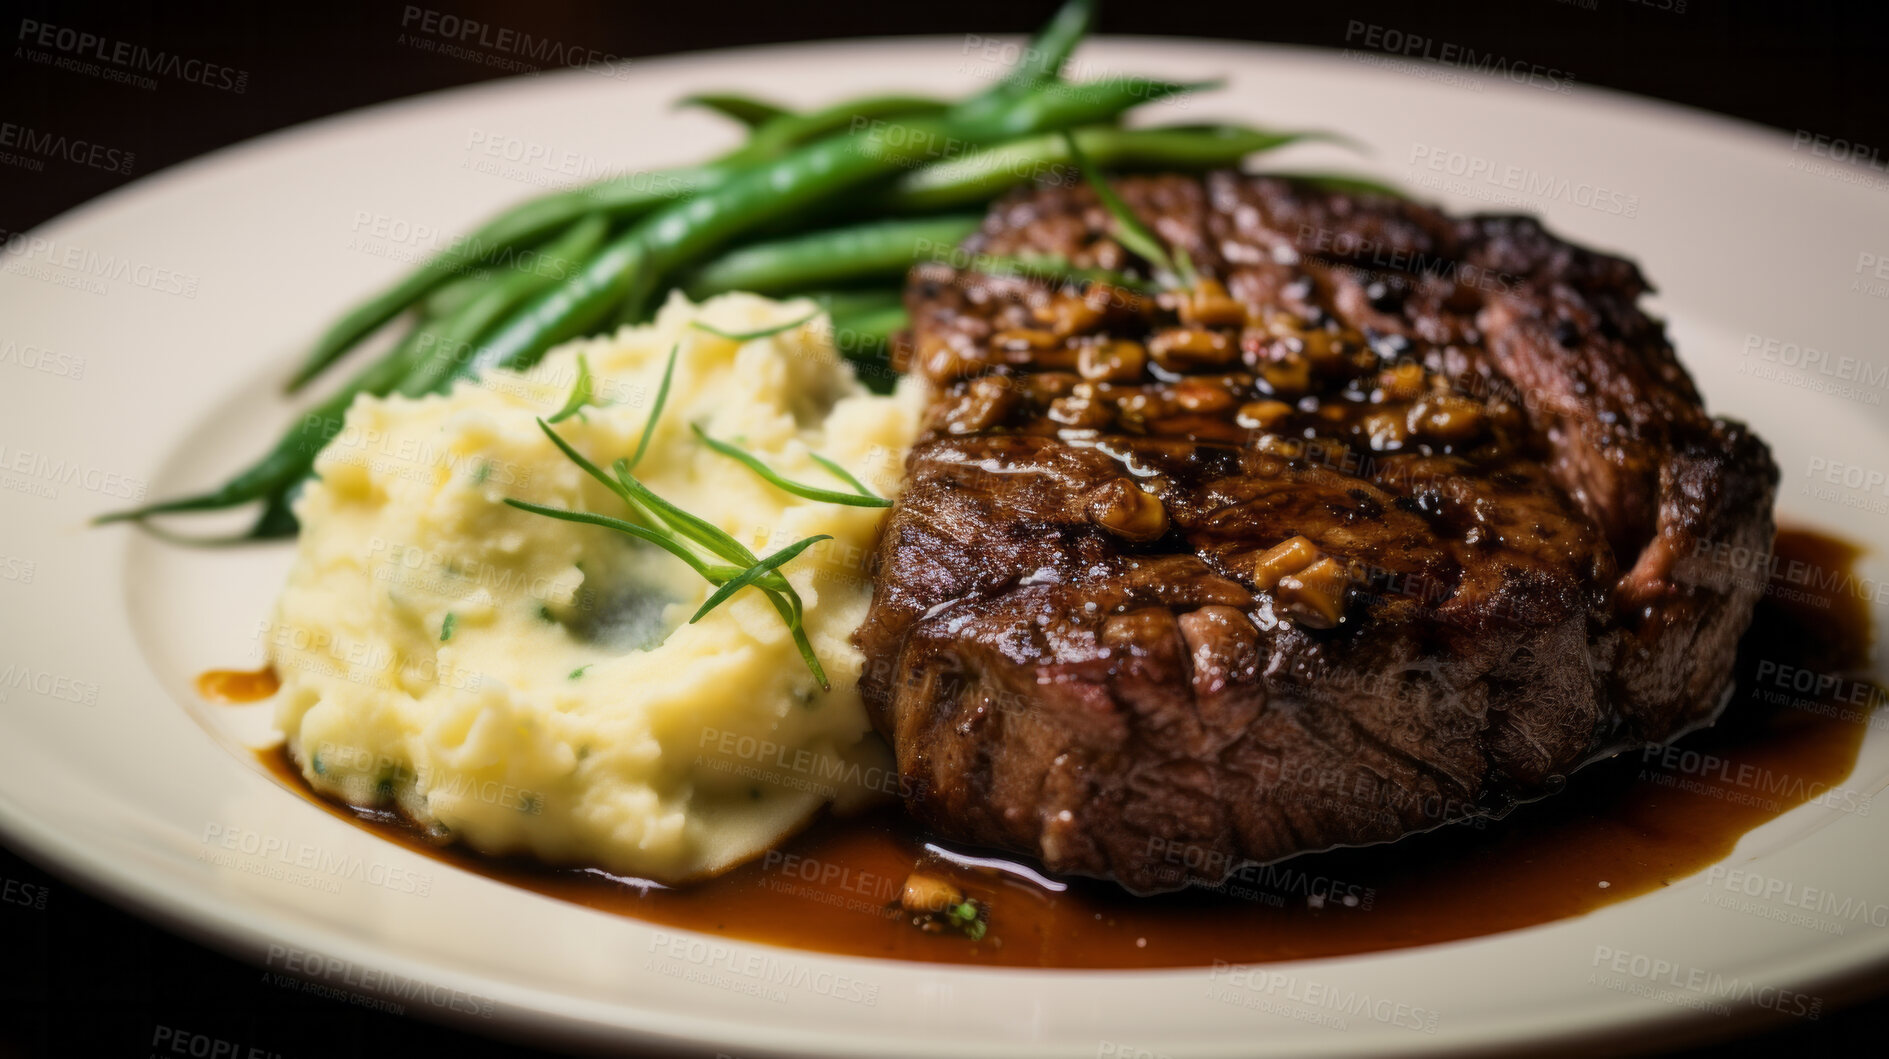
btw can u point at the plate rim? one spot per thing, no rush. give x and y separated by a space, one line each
238 932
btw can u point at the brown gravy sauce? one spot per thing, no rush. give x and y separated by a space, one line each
236 687
1623 827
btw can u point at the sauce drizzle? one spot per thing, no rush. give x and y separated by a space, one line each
235 687
1623 827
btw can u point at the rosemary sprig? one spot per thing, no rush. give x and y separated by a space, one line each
842 474
690 527
687 536
863 498
785 600
749 336
1129 230
1347 182
580 392
662 396
666 541
753 573
1055 267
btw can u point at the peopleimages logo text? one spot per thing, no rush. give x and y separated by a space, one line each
1397 42
15 137
469 32
134 57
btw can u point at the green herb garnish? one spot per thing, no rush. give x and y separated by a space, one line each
842 474
662 396
785 600
447 626
1346 182
747 110
580 392
689 538
579 671
1129 230
967 918
1056 267
752 573
749 336
863 498
660 538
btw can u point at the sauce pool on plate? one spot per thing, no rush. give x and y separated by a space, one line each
236 687
1622 827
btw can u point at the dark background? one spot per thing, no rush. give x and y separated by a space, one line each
1811 64
79 977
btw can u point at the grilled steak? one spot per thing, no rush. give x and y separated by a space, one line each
1380 525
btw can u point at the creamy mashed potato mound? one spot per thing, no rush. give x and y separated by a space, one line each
528 685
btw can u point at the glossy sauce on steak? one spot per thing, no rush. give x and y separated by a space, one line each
1383 524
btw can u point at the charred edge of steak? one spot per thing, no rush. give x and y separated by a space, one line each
1394 520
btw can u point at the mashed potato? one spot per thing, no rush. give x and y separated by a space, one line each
528 685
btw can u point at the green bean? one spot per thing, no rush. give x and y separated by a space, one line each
874 326
443 345
837 303
619 198
629 269
454 294
1042 60
797 129
288 462
467 307
982 175
277 518
425 358
875 250
862 336
419 353
1347 183
788 131
747 110
796 163
978 177
627 197
1052 45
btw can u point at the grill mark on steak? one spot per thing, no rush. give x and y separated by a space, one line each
1096 636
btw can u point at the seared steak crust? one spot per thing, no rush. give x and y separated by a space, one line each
1377 528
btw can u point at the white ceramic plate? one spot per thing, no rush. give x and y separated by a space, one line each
145 333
